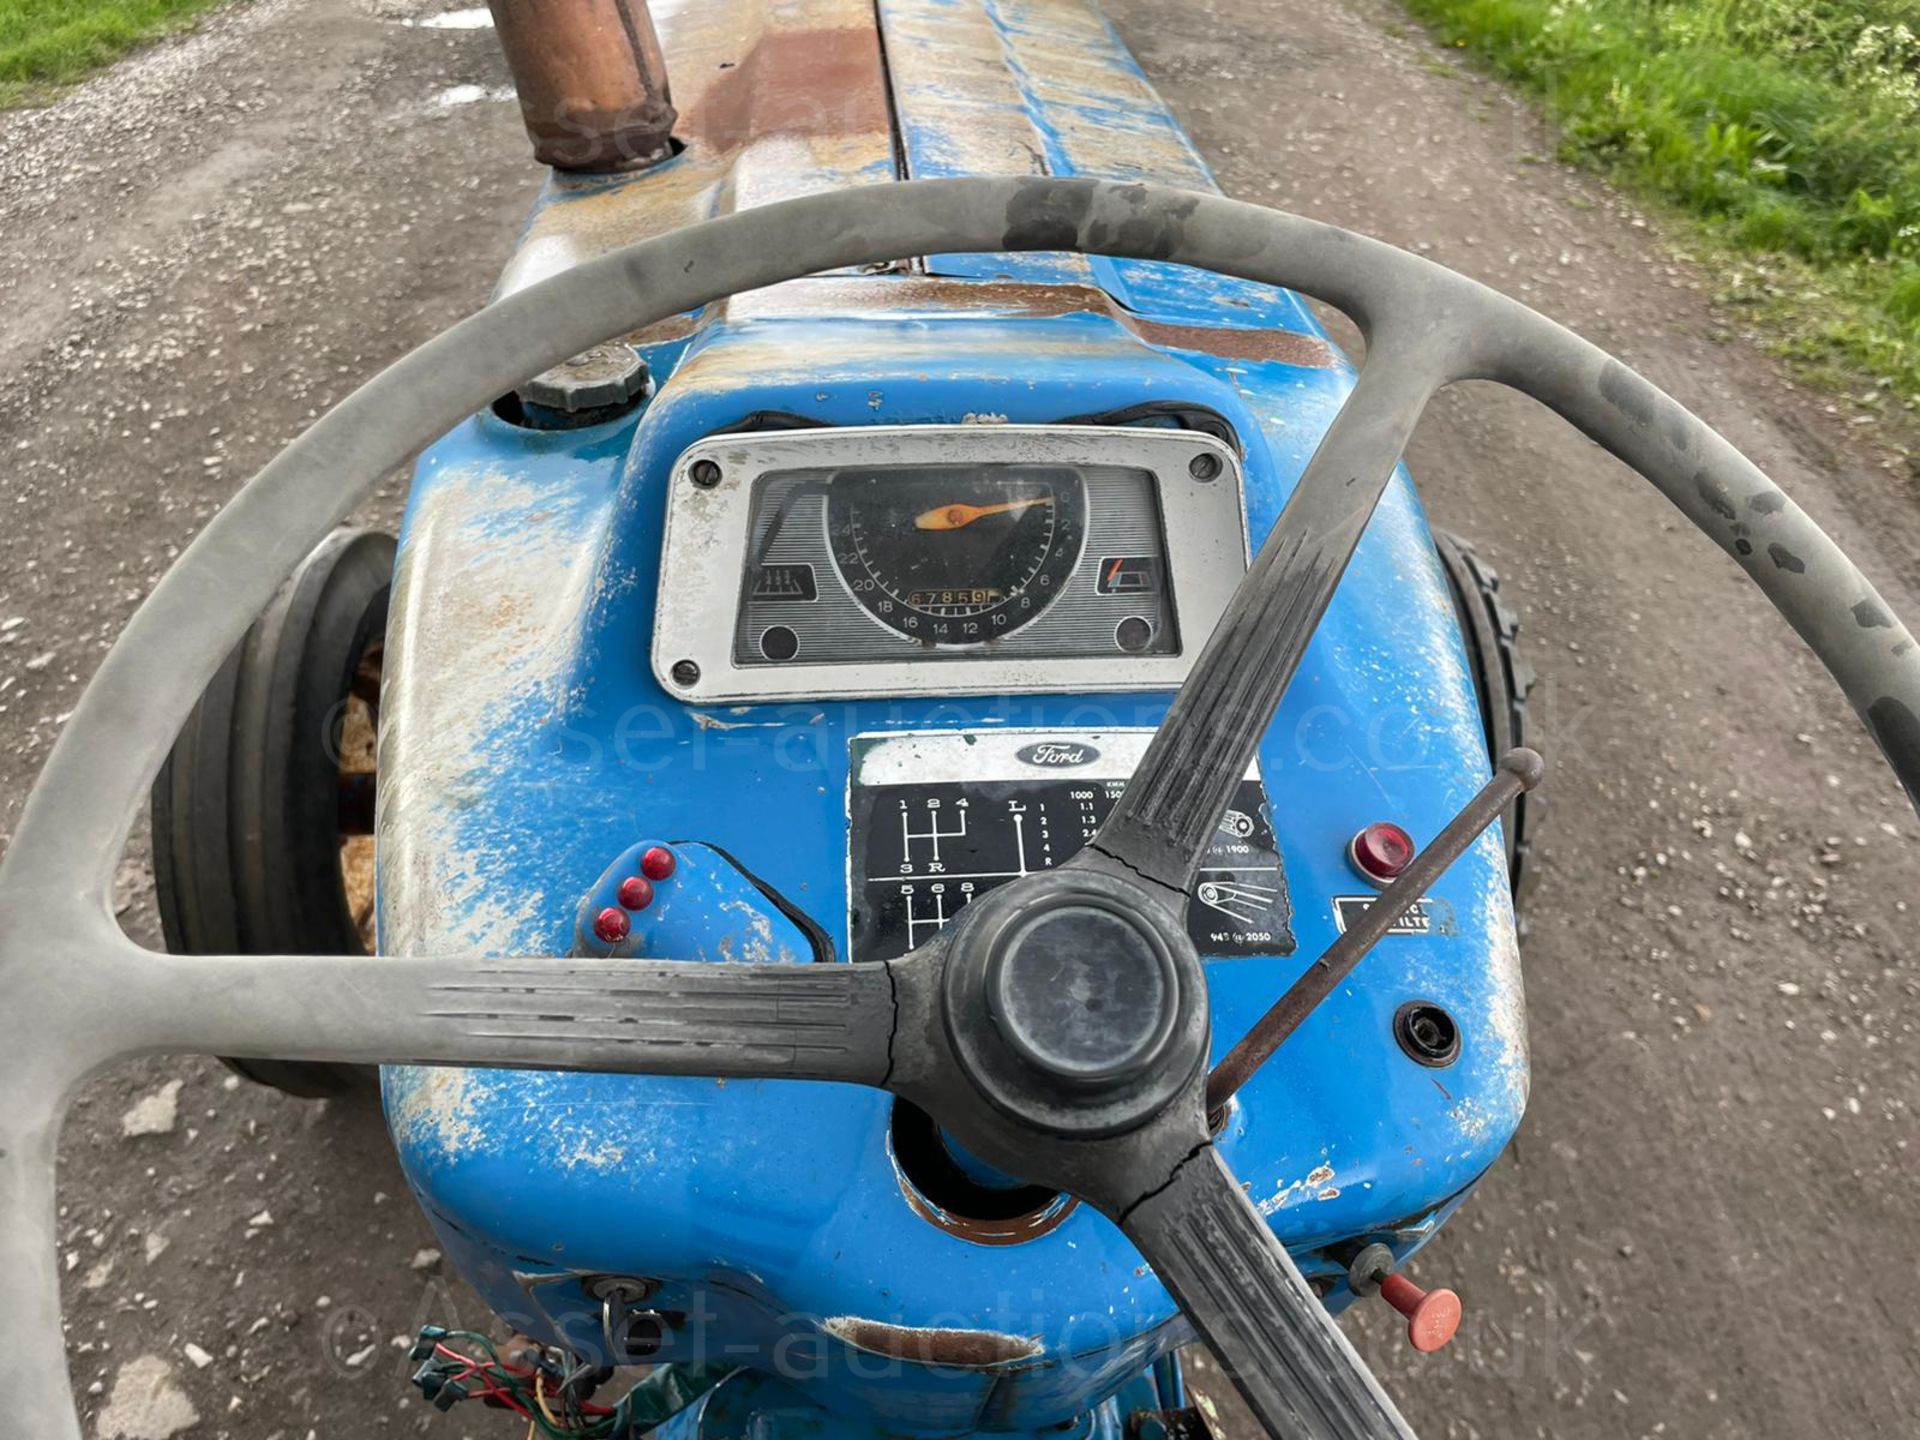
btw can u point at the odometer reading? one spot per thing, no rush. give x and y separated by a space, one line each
955 554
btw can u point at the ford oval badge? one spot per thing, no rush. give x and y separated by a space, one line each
1057 754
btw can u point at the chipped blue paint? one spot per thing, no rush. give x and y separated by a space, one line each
526 744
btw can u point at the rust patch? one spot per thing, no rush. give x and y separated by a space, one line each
1288 347
795 82
1016 1230
932 295
959 1349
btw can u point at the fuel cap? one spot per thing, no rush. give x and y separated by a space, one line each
605 376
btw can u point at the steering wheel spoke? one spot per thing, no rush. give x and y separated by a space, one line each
1246 1297
1162 826
656 1017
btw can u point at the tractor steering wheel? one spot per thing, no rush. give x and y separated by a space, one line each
1106 1102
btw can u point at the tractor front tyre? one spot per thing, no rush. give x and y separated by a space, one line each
1503 680
263 812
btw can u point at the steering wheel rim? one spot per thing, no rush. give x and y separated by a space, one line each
83 995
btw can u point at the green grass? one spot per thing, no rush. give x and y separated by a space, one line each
48 43
1790 129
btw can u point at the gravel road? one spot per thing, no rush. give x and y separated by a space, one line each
1704 1228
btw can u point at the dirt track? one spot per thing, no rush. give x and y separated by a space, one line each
1705 1228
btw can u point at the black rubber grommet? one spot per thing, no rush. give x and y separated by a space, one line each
1427 1034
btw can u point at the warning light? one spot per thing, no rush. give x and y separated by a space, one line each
611 925
636 892
658 863
1381 853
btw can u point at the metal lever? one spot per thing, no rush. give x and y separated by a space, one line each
1519 771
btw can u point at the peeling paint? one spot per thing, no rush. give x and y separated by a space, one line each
477 661
435 1110
1314 1182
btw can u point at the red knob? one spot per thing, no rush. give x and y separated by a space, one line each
1381 852
1432 1315
658 863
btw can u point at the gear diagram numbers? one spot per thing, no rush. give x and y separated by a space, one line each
923 849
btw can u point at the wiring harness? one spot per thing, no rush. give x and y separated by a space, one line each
547 1388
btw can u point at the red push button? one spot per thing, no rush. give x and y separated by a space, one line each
658 863
1432 1315
1381 853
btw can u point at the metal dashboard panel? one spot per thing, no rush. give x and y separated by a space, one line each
938 818
704 608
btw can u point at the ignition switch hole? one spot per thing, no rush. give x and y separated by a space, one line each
1427 1033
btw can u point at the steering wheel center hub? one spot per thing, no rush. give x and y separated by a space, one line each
1075 1001
1083 993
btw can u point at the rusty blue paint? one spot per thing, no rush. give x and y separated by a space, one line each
528 743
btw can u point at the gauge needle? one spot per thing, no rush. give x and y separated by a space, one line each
952 517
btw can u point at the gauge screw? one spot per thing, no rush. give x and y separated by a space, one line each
685 674
1204 466
705 474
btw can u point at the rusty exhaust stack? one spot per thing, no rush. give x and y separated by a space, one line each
592 81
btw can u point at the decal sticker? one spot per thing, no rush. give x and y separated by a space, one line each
1417 921
940 819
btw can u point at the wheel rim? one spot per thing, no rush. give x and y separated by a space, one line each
359 773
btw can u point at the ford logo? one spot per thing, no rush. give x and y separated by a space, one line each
1057 755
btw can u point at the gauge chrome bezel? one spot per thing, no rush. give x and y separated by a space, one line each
707 535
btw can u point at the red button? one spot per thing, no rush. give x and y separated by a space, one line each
611 925
658 863
1432 1315
1381 852
636 892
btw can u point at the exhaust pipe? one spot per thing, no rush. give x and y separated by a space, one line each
591 79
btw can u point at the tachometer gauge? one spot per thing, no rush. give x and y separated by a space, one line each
954 554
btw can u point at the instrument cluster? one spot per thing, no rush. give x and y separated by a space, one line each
979 548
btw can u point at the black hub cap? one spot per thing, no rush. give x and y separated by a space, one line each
1075 1002
1083 993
